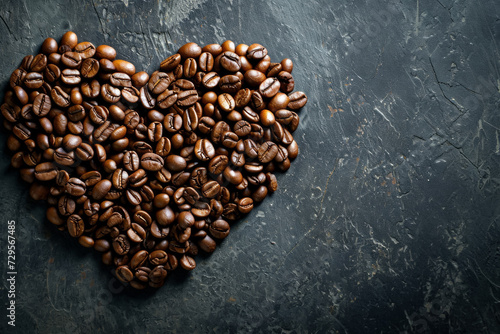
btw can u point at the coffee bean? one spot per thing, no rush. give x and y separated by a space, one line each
151 162
287 83
41 105
105 51
39 63
175 163
256 52
121 244
297 100
229 61
190 50
46 171
204 150
187 98
89 68
101 189
85 49
110 93
75 187
147 100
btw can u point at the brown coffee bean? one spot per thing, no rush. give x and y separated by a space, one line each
75 225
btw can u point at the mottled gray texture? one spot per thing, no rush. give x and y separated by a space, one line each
387 222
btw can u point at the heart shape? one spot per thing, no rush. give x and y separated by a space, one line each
150 169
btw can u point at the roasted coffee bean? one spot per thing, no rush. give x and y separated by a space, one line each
105 51
75 225
187 98
85 49
158 82
59 96
124 274
155 131
229 61
211 189
33 80
121 244
147 100
267 151
230 84
140 79
136 233
297 100
219 229
256 52
152 162
41 105
269 87
39 63
89 68
75 187
46 171
207 244
218 164
110 93
190 119
204 150
101 189
120 79
166 99
175 163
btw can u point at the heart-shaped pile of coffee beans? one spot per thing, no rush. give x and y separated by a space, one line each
150 169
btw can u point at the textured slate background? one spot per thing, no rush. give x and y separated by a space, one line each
387 222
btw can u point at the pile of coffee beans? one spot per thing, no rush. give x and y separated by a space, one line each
150 169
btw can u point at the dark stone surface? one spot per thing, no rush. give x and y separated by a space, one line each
387 222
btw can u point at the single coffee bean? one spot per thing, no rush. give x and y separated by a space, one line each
211 189
229 61
187 262
159 82
256 52
46 171
207 244
204 150
105 51
166 99
170 63
85 49
75 225
190 50
219 229
187 98
121 244
136 233
269 87
33 80
41 105
297 100
152 162
39 63
146 99
124 274
89 68
175 163
101 189
110 93
75 187
84 151
139 79
287 83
